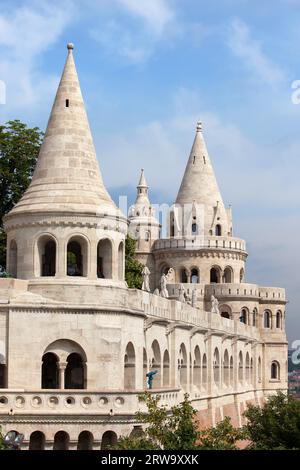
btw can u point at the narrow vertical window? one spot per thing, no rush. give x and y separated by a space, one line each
67 103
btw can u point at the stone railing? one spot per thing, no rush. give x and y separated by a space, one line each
20 402
195 243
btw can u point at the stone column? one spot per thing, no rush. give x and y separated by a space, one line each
62 367
61 267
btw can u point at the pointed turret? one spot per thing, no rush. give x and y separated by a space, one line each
67 177
199 189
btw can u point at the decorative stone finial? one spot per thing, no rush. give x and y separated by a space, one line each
70 46
199 126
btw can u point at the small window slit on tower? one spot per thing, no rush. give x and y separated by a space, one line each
67 103
204 160
194 159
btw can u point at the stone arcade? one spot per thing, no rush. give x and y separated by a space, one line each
76 343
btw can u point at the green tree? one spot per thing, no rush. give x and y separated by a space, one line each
222 437
276 425
133 269
19 148
169 430
2 445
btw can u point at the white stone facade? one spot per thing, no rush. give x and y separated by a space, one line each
76 343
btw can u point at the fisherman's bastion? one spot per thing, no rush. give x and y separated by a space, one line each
76 343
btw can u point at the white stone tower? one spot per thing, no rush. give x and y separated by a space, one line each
66 224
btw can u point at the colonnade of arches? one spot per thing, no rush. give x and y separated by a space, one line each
76 253
61 441
217 275
269 319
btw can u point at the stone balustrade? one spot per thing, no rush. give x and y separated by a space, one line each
196 243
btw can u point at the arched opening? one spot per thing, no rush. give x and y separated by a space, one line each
251 372
197 368
215 275
166 369
231 372
50 372
156 362
182 365
241 368
242 275
77 257
121 261
37 441
129 367
259 370
204 371
47 255
195 276
226 368
75 372
13 259
145 368
225 311
183 276
216 367
194 228
267 319
279 319
218 230
109 439
85 441
247 368
61 441
254 316
3 375
147 236
228 275
275 370
104 259
243 316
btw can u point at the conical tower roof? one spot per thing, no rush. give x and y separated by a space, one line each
67 177
199 187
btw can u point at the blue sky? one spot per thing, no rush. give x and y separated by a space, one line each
149 69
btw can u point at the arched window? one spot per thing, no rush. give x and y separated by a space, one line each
3 372
225 311
197 368
156 362
279 319
226 368
195 276
50 373
183 276
251 372
215 275
247 368
121 261
77 257
129 367
104 259
227 276
37 441
182 365
204 371
216 367
75 372
267 319
242 275
241 368
47 255
218 230
259 370
243 316
61 441
85 441
166 369
231 372
194 228
145 368
275 370
13 259
147 236
109 439
254 314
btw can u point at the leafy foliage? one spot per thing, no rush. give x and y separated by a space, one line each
276 425
2 445
19 148
133 269
168 430
222 437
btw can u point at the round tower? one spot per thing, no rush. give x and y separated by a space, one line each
66 224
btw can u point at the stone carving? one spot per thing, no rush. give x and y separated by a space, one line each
156 292
163 286
182 294
194 298
214 305
146 276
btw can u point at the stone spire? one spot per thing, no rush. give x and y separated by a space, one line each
199 187
67 177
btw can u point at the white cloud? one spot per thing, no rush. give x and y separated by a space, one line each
25 33
250 51
157 14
